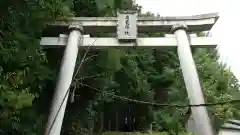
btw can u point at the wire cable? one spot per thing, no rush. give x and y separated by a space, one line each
164 105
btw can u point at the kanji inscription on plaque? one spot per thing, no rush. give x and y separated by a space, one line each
127 25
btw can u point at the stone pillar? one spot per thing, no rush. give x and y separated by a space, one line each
61 93
191 79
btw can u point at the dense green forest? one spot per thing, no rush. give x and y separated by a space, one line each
107 80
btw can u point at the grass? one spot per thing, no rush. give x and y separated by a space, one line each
138 133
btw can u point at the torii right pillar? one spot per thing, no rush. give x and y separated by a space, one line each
191 79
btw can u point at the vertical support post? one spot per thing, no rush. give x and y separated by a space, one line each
191 79
61 93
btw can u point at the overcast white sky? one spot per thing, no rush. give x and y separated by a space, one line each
225 30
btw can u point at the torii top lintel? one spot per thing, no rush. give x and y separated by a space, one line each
201 22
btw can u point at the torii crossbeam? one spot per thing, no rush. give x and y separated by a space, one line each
127 26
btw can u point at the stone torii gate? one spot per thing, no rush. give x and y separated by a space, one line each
127 25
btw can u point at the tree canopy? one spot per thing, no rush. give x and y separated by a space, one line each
110 83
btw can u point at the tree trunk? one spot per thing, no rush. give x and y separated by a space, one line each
101 122
109 125
116 121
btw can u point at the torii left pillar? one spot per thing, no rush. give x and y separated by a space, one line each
61 93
